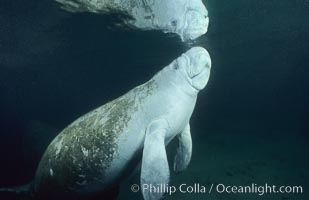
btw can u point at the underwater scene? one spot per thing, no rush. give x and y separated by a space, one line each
154 99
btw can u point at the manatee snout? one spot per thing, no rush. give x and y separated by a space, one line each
199 66
197 25
199 60
196 21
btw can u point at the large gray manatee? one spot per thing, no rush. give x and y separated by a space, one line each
187 18
96 152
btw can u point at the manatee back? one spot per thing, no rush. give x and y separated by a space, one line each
78 157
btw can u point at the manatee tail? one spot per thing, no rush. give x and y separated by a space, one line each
22 192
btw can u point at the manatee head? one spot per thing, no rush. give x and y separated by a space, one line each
192 68
195 21
187 18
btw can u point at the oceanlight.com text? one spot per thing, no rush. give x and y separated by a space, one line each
259 189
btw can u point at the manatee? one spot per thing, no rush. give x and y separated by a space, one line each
96 152
187 18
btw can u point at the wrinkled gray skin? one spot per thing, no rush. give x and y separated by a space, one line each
187 18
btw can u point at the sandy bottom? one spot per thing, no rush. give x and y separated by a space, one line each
239 160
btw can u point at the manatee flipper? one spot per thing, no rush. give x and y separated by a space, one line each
155 169
184 151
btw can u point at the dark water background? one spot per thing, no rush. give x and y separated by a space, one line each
55 66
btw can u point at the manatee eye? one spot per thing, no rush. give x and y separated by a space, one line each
174 23
176 66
